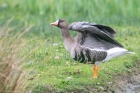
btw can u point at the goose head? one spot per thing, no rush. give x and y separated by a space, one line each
61 23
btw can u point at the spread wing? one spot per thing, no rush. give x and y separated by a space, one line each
98 35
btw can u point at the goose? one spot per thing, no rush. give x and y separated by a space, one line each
94 43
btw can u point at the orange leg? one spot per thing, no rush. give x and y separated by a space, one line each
95 71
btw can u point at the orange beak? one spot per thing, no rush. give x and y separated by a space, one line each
54 24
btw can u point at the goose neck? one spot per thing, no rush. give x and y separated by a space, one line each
66 34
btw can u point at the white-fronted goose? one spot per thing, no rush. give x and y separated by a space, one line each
94 43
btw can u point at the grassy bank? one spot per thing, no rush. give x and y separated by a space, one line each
49 65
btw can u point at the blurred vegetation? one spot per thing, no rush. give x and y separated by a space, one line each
48 64
12 77
41 13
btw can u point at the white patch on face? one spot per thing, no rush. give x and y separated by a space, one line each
57 22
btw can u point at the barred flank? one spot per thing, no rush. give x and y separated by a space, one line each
87 55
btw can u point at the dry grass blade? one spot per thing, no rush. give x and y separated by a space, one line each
12 77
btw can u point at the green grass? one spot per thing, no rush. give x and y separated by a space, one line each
51 67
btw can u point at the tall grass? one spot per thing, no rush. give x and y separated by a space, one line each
12 76
119 12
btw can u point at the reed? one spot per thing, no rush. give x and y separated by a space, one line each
12 76
91 10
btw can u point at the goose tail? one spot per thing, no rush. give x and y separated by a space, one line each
131 52
117 51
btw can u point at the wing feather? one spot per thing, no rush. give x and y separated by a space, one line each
105 33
